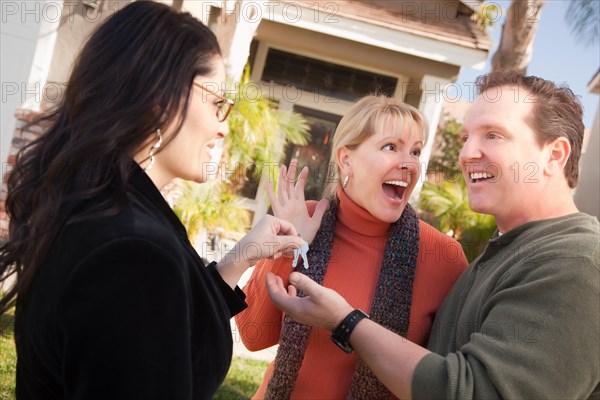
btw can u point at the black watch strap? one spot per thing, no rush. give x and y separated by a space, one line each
341 334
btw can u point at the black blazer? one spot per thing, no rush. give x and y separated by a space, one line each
123 308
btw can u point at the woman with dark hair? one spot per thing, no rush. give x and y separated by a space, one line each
112 301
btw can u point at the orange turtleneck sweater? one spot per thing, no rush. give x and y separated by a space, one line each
353 269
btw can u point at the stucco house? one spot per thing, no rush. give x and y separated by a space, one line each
315 57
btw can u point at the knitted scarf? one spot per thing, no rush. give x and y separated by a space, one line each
390 308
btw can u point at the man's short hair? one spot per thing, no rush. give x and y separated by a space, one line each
557 112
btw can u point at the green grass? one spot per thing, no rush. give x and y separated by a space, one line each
8 357
241 382
243 379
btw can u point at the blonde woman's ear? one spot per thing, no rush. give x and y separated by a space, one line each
343 159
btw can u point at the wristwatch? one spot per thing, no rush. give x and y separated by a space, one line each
341 334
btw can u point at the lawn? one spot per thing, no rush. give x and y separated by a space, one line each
8 357
242 381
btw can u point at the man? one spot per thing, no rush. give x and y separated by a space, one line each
523 320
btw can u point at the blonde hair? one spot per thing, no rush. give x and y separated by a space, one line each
367 117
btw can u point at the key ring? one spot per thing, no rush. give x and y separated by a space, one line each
301 252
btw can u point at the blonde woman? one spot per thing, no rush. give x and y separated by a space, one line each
366 243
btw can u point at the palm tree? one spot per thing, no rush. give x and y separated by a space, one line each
209 207
584 18
518 32
258 134
447 206
519 29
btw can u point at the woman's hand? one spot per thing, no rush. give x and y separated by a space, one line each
271 237
290 205
320 307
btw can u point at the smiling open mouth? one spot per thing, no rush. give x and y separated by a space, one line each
481 176
395 189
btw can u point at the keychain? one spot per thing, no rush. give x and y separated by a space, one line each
301 252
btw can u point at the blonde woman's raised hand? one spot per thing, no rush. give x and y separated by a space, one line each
289 203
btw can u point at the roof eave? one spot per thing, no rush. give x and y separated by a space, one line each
473 5
450 50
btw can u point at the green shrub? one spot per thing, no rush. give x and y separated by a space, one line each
443 201
447 208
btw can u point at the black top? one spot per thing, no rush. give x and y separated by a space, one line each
124 308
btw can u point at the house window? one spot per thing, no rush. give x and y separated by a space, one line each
323 77
317 152
315 155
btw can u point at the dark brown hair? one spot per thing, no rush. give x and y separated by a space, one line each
557 112
133 76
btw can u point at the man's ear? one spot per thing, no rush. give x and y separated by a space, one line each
343 155
559 152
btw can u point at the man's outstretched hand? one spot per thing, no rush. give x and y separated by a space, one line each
321 306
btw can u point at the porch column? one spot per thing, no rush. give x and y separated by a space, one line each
430 104
234 22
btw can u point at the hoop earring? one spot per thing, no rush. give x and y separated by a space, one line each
346 179
153 150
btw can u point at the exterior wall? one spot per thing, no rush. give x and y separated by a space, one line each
587 194
79 21
22 136
27 38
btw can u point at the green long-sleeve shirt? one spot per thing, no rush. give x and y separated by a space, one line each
523 321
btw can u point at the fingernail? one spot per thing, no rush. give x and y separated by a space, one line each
293 278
